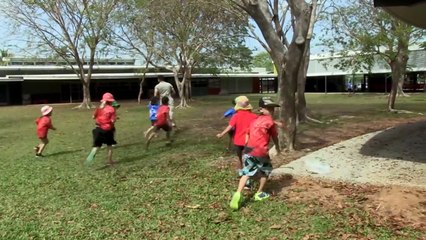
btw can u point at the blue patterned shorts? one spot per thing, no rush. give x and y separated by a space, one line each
254 164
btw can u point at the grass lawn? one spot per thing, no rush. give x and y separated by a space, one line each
166 192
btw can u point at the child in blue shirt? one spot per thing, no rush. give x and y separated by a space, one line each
153 108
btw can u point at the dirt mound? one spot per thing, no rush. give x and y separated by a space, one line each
400 205
394 206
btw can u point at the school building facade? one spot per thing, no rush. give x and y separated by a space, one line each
36 81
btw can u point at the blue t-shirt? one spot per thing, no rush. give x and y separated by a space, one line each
229 113
153 112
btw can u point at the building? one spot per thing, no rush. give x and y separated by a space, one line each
36 81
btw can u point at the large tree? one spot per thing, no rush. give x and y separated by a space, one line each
4 57
132 35
74 30
263 60
192 33
364 35
275 18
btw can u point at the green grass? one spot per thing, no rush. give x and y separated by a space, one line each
161 193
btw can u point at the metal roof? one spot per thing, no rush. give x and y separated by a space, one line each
318 66
41 77
325 66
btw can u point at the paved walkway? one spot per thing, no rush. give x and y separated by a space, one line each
394 156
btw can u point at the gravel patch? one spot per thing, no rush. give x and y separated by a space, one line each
395 156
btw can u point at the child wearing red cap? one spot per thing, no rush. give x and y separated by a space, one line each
44 123
105 118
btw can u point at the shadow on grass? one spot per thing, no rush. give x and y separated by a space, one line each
404 142
275 185
64 152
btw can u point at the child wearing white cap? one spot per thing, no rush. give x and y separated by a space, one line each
44 123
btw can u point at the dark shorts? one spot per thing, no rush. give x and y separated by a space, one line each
239 149
103 137
153 122
165 127
255 165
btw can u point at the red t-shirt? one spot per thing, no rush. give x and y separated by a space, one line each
44 123
260 132
162 115
241 121
105 117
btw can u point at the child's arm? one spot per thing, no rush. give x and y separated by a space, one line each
280 124
227 129
95 113
276 143
247 138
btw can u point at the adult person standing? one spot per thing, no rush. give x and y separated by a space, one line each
165 89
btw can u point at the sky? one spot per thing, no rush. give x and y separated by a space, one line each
15 44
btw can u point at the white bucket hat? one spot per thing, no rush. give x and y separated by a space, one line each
45 110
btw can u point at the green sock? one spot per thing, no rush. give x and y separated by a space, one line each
91 156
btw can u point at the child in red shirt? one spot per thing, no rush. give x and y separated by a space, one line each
163 122
44 123
104 132
256 158
240 122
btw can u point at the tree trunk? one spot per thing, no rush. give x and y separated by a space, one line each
184 86
392 95
301 84
141 89
398 68
400 88
181 87
288 89
143 79
87 103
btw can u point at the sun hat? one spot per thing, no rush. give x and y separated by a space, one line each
107 97
45 110
242 103
266 102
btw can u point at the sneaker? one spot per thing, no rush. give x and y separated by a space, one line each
236 201
39 155
90 158
260 196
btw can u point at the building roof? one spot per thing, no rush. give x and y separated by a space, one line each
325 65
318 66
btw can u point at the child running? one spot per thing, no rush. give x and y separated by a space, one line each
240 122
44 123
105 118
163 122
153 108
256 158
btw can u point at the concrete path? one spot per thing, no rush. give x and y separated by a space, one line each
394 156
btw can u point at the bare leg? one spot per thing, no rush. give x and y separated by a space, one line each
110 161
262 183
148 141
240 160
230 142
242 183
168 136
147 132
42 145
